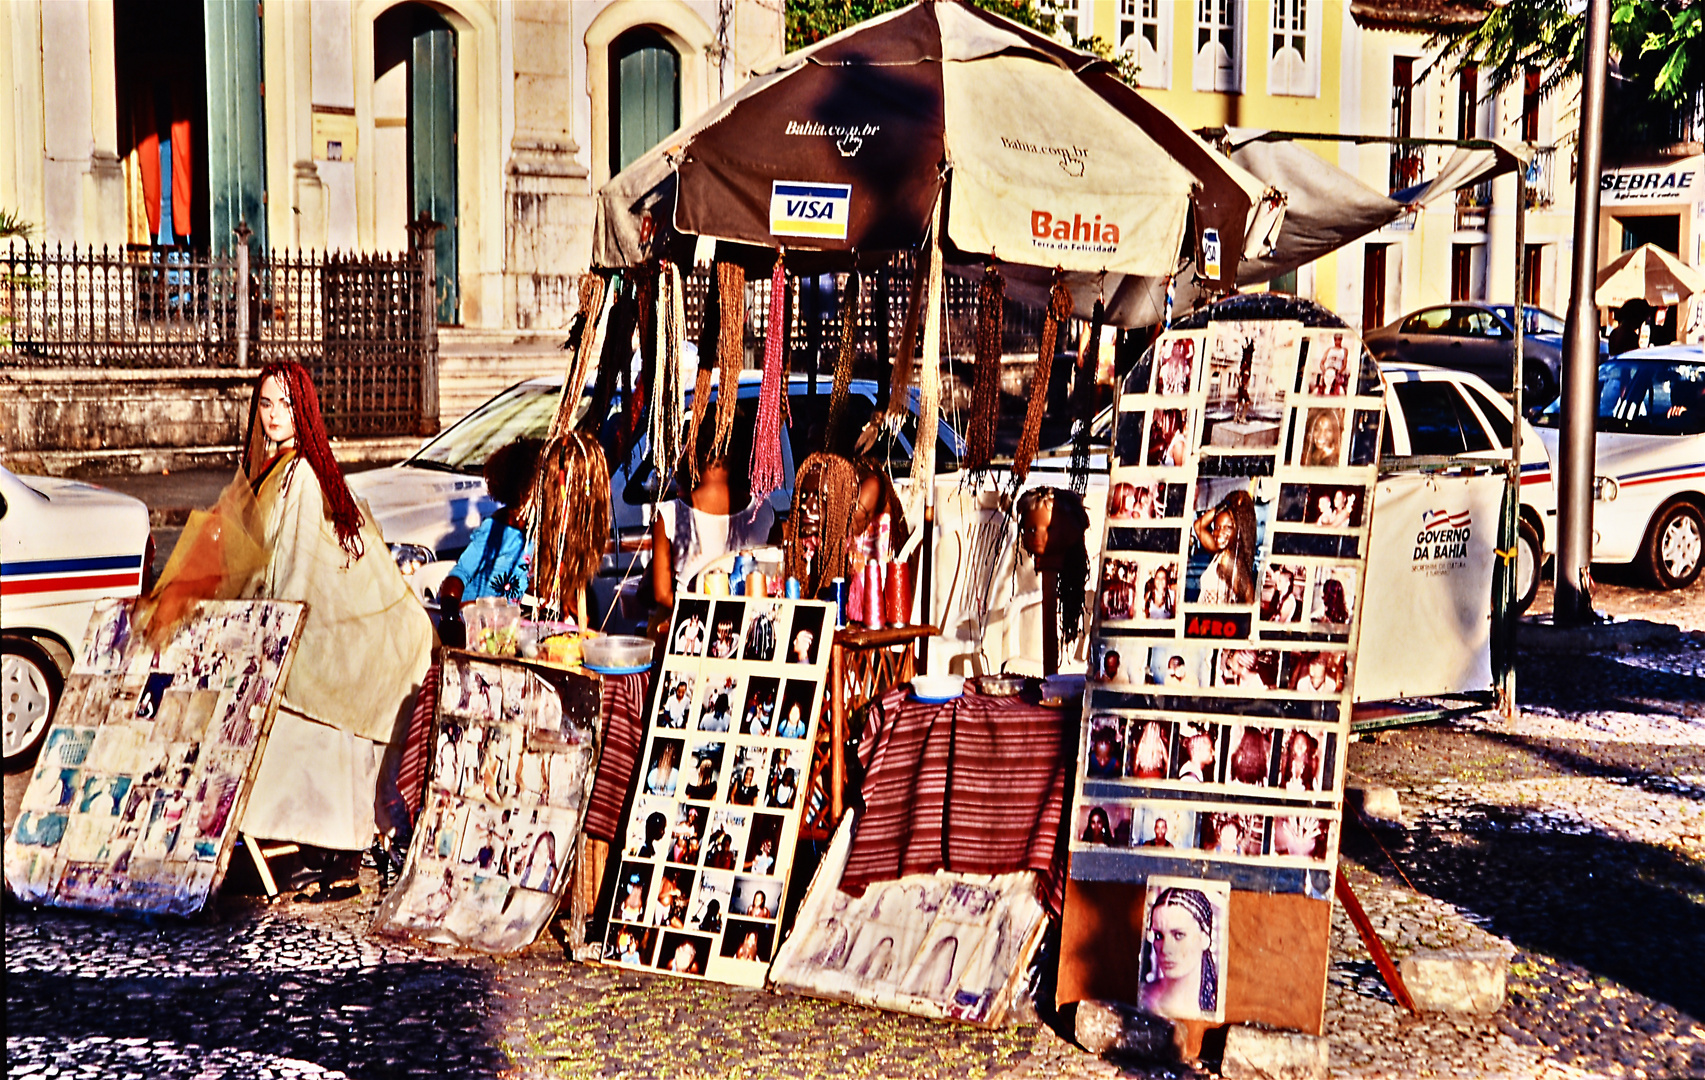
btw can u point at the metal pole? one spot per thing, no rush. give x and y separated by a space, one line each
1509 528
1573 604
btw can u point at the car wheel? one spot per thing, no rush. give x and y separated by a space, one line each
1530 556
1675 547
29 689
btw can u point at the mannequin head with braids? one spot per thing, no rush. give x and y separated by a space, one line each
1052 526
825 500
284 414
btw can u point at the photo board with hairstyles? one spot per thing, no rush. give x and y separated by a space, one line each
946 945
142 780
1223 648
514 750
707 846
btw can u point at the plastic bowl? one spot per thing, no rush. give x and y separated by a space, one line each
617 651
938 687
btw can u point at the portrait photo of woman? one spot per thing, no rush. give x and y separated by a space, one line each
1150 743
1322 439
1183 949
1334 599
1167 437
1227 533
804 635
1318 672
1299 765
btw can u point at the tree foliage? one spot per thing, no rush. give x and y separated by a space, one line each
1658 45
810 21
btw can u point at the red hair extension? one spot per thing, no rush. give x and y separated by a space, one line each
1059 310
766 443
311 445
985 384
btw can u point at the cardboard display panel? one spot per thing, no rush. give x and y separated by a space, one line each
144 775
708 843
943 945
514 754
1223 650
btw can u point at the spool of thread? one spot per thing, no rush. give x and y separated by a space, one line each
793 588
873 595
716 583
897 597
855 593
757 584
838 593
744 564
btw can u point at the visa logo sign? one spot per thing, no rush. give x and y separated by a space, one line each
820 210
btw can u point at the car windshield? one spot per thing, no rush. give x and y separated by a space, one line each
521 410
1646 397
1538 320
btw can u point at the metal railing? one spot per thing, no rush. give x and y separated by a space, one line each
1406 167
362 324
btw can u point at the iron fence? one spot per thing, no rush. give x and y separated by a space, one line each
361 324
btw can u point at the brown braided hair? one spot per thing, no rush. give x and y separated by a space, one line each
311 445
1059 310
730 344
836 484
985 389
843 360
569 517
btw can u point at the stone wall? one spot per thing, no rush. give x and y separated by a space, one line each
93 422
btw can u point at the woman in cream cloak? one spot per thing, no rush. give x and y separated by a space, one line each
364 645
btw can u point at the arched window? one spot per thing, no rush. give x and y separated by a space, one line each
645 99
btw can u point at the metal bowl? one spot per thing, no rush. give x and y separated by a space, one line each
999 685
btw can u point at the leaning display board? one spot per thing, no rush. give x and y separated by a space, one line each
942 945
708 843
1225 631
143 778
514 753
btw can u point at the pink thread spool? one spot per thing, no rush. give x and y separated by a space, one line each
873 595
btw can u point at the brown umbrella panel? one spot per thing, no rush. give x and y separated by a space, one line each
1044 158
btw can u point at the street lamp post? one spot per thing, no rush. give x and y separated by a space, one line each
1573 603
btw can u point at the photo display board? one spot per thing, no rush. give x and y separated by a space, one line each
136 797
944 945
1225 629
708 843
514 754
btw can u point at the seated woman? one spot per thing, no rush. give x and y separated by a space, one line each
365 643
496 561
711 518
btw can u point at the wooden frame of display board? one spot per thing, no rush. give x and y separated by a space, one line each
515 749
143 778
1211 769
707 845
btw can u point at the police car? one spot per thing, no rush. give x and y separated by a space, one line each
64 545
1649 505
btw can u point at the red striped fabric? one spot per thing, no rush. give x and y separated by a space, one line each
623 721
976 785
417 743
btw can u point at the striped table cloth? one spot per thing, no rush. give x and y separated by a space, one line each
975 785
622 718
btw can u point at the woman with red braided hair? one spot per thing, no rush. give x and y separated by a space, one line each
364 647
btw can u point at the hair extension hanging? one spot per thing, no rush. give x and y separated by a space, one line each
766 442
1083 399
708 334
568 518
843 361
731 345
1059 310
614 352
985 386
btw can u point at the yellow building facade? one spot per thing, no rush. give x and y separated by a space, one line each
1359 67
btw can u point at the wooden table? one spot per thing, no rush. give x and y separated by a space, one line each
863 665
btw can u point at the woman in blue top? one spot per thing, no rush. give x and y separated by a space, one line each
496 561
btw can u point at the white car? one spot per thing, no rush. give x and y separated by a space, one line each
63 546
1649 505
1434 411
428 506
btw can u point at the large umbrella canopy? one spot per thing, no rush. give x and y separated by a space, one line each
1047 158
1647 273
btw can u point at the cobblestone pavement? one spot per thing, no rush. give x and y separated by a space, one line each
1572 840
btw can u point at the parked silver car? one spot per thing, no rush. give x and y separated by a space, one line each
1479 339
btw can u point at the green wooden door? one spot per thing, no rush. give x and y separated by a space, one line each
432 151
646 98
236 145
